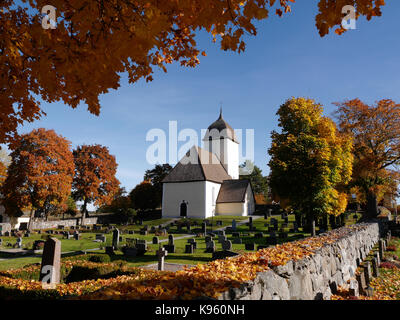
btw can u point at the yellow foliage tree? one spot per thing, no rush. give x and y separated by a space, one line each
311 161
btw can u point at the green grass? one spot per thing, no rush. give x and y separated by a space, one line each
179 256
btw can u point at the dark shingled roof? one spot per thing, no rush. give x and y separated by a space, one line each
221 125
233 191
205 167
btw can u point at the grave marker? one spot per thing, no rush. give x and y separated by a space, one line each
161 254
115 240
51 262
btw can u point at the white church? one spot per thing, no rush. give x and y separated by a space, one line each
205 182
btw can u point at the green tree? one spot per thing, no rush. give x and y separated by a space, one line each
156 176
259 183
311 161
144 197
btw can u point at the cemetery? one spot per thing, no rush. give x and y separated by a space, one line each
89 261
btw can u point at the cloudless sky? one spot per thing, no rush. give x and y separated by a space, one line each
287 58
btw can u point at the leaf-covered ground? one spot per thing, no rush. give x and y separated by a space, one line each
387 285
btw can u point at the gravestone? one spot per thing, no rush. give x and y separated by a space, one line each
361 282
237 241
259 247
161 254
170 248
208 239
210 246
110 250
131 232
235 234
171 240
189 248
141 248
375 267
367 272
378 260
155 240
51 262
227 245
223 254
115 240
219 223
258 235
19 243
249 246
353 288
222 239
188 227
191 240
234 225
381 249
204 227
76 235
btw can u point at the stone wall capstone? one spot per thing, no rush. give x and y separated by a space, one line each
314 276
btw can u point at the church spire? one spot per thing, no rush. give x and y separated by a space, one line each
220 112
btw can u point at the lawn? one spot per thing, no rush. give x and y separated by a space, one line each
87 243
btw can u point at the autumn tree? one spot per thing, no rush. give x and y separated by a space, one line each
376 133
155 176
4 163
95 41
143 196
94 179
259 183
40 175
310 161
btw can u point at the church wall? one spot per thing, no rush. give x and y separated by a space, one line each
232 158
231 208
212 190
175 193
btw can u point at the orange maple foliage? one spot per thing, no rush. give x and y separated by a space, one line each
95 41
94 179
376 133
40 174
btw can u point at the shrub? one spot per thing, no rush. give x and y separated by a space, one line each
104 258
391 248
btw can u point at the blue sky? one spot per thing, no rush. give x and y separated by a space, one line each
287 58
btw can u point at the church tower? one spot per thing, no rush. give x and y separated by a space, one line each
220 139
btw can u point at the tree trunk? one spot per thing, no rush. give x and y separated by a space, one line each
30 220
372 206
313 233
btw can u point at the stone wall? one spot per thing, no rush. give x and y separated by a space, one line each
314 276
40 224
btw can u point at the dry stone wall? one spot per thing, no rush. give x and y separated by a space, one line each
315 276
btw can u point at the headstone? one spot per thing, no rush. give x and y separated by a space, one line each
235 234
361 282
51 262
227 245
353 288
204 227
115 240
155 240
249 246
188 227
375 267
170 248
131 232
381 249
237 241
234 224
376 255
259 247
258 235
161 254
223 254
76 235
222 239
189 248
219 223
19 243
210 246
208 239
141 248
367 272
171 240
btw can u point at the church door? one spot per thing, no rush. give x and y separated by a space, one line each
183 211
